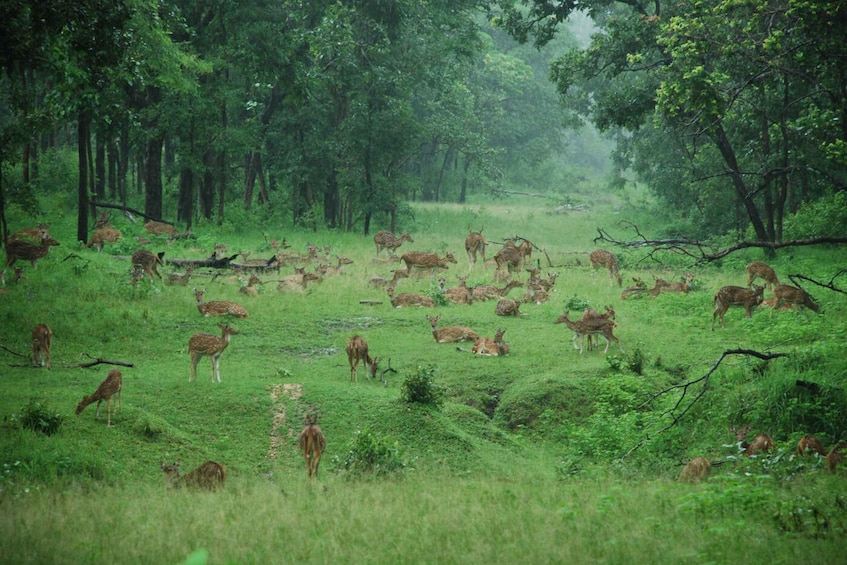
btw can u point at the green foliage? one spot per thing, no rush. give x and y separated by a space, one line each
371 454
420 388
576 303
824 216
39 417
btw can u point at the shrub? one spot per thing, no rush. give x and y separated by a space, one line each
371 454
421 388
39 417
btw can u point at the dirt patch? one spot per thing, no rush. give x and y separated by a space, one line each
281 394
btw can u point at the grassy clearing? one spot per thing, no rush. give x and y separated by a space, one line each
520 464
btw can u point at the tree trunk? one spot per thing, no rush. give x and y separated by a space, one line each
100 167
82 185
463 194
153 176
207 186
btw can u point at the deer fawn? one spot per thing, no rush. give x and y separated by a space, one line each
810 444
677 287
218 307
761 444
729 296
211 345
42 339
387 240
787 294
149 262
312 443
409 299
761 270
28 251
603 258
160 228
357 350
426 261
508 307
697 470
599 326
208 476
108 388
475 243
181 279
835 456
451 334
491 347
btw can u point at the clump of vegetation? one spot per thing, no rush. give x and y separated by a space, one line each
371 454
421 388
632 361
577 303
38 417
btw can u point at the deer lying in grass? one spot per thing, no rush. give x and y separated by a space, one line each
42 338
334 270
729 296
475 243
810 444
637 290
250 288
409 299
697 470
424 261
676 287
160 228
148 262
835 456
458 294
761 444
208 476
491 347
312 443
757 269
357 350
180 279
382 282
581 328
108 388
387 240
787 294
218 307
481 293
508 307
17 249
211 345
451 334
603 258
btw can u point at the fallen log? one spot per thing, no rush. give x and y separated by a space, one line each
211 262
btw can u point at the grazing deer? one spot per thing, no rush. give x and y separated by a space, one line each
160 228
592 314
387 240
512 257
42 338
603 258
761 270
423 260
211 345
491 347
312 443
787 294
250 288
181 279
32 235
218 307
148 262
108 388
382 282
459 294
357 350
835 456
729 296
208 476
636 290
28 251
810 444
677 287
697 470
451 334
483 292
103 233
599 326
508 307
761 444
475 243
409 299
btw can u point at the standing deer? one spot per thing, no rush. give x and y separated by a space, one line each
787 294
603 258
357 350
312 443
451 334
108 388
148 262
409 299
729 296
491 347
423 260
592 314
28 251
103 233
208 476
512 257
387 240
599 326
211 345
42 338
33 235
475 243
810 444
761 270
697 470
218 307
761 444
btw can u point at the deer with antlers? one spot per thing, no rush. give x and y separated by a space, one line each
218 307
357 350
208 476
42 339
450 334
108 388
387 240
729 296
312 443
762 443
212 346
603 258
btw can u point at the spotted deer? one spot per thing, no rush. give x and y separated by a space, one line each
148 262
334 270
757 269
459 294
636 290
424 261
250 288
729 296
382 282
592 314
21 249
212 346
810 444
387 240
508 307
32 235
475 243
357 350
512 256
103 233
835 455
405 299
312 444
600 326
762 443
296 282
208 476
450 334
603 258
111 387
481 293
42 339
181 279
218 307
793 296
489 347
697 470
160 228
674 286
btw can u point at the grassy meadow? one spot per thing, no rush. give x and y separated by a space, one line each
546 455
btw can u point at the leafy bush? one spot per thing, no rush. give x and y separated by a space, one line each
577 303
39 417
421 388
371 454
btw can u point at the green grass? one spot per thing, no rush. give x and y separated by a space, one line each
522 462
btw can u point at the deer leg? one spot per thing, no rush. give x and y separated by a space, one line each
109 412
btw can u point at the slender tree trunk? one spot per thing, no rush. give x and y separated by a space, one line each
153 176
112 163
100 167
207 186
463 193
82 185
